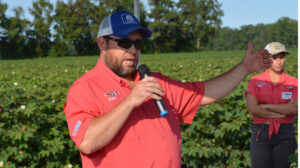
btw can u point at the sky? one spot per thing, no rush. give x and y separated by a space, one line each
236 12
245 12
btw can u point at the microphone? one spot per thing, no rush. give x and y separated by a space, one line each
145 72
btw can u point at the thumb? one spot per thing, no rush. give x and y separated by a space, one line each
250 48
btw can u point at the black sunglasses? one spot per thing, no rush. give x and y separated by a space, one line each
127 43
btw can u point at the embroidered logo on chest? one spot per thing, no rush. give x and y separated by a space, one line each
260 84
290 87
112 95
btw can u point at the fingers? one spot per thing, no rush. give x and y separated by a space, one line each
266 54
154 88
149 79
267 61
146 88
150 88
293 102
264 58
154 96
250 47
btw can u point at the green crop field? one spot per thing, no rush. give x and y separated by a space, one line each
33 128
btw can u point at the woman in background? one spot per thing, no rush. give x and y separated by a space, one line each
272 101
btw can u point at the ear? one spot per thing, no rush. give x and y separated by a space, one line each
101 43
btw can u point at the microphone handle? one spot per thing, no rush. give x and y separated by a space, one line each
161 107
160 104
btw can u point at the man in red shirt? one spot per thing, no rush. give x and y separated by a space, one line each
110 111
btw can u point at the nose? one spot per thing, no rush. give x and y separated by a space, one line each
132 49
278 61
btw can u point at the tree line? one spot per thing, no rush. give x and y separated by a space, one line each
70 28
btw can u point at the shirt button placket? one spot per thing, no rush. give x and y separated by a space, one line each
122 83
170 163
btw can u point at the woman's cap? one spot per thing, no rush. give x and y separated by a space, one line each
121 24
275 48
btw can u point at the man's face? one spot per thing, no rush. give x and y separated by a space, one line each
120 60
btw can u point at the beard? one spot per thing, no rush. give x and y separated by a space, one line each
118 68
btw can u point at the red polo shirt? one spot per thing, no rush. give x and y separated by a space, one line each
146 139
266 92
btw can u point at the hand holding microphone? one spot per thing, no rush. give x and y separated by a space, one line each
145 72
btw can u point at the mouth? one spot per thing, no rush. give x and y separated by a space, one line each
130 61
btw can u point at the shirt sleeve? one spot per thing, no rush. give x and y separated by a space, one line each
185 97
80 108
251 87
295 96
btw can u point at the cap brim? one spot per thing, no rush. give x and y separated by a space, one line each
146 33
285 52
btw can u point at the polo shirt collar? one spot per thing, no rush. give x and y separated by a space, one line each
102 68
281 79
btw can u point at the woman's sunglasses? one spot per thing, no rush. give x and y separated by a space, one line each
127 43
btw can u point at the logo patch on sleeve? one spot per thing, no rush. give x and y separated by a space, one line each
76 128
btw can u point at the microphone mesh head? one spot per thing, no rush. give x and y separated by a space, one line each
144 70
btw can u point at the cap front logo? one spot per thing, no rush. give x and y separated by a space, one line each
278 46
128 19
